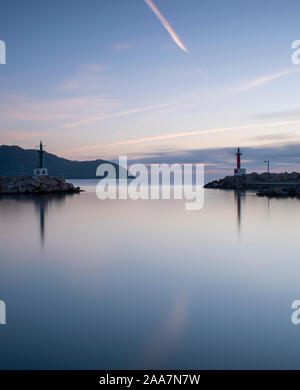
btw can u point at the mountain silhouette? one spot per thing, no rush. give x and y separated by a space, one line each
17 161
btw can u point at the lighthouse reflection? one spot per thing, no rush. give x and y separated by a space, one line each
42 203
238 196
16 206
41 208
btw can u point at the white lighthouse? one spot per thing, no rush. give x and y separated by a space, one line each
41 171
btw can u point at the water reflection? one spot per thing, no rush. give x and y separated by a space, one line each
238 195
41 207
41 204
145 284
166 337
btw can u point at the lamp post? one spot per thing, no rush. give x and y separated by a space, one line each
268 162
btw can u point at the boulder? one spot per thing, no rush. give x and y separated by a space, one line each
34 184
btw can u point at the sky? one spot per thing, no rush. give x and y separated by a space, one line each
156 80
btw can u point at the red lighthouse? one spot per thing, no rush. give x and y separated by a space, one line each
238 170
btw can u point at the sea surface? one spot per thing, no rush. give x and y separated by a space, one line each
122 284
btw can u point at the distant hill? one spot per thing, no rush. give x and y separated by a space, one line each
17 161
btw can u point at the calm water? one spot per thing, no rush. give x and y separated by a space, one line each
145 284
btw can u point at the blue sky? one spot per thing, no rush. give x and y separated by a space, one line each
100 78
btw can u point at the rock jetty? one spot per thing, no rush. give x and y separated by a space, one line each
256 181
35 184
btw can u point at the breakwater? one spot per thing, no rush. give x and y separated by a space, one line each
35 184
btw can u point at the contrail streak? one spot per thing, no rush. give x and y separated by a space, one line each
203 73
187 133
116 115
264 79
166 25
